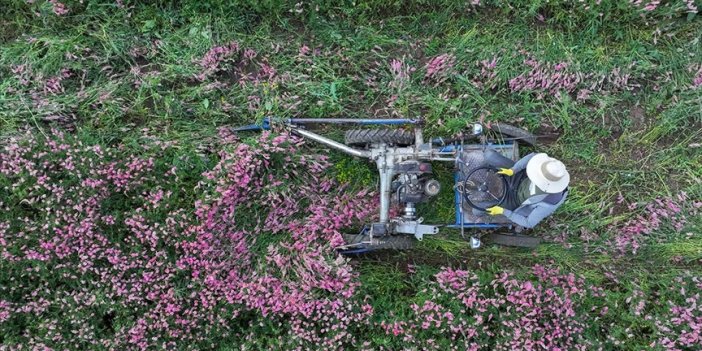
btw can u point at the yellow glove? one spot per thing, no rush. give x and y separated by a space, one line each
506 171
495 210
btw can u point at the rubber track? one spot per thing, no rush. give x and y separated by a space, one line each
513 240
391 242
515 132
377 136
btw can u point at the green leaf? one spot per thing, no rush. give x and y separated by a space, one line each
206 103
148 26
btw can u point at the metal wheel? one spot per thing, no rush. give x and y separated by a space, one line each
484 188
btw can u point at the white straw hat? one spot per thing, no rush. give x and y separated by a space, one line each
547 173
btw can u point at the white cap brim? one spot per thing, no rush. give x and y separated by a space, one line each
535 175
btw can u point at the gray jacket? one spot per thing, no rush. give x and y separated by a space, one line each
537 207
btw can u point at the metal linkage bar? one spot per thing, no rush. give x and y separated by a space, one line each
331 143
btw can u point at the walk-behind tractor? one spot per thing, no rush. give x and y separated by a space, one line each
404 161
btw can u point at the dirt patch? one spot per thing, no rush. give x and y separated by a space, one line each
64 121
637 115
547 134
8 31
618 118
465 258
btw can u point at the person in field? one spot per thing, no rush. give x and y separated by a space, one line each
538 186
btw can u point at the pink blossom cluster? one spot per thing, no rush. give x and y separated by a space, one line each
551 79
53 84
25 76
400 72
660 213
504 313
22 73
488 74
547 79
697 80
649 5
680 328
58 7
103 255
40 88
439 68
248 67
652 5
304 51
211 60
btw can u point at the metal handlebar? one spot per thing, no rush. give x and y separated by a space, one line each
268 121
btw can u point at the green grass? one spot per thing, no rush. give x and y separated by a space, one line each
133 81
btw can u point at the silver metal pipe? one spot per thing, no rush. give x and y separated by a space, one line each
386 174
426 156
418 137
331 143
368 121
